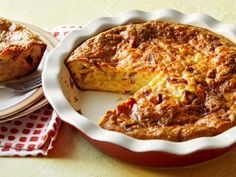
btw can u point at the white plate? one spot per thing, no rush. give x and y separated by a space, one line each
42 102
67 100
11 102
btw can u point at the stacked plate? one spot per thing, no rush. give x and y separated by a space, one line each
14 105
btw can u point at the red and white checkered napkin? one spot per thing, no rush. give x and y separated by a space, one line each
60 31
32 134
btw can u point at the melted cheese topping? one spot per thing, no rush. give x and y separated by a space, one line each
11 33
182 78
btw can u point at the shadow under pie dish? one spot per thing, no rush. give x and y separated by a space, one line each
182 78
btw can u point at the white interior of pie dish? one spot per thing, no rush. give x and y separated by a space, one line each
66 100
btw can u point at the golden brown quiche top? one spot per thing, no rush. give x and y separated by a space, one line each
182 77
20 50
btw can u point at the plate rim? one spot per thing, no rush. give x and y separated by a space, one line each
52 87
23 104
37 105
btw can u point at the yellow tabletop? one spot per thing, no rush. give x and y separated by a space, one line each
72 154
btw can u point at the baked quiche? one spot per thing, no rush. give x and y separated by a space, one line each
20 50
182 79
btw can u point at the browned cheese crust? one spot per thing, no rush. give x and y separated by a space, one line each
182 77
20 50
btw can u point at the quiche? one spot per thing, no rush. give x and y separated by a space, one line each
20 50
181 79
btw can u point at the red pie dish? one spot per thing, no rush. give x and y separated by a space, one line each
128 132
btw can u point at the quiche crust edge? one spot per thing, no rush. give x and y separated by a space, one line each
182 77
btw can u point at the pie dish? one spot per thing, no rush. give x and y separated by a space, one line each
20 50
63 95
183 79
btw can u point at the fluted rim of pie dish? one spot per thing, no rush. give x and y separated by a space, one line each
54 93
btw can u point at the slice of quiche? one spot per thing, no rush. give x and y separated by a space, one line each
20 50
182 77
